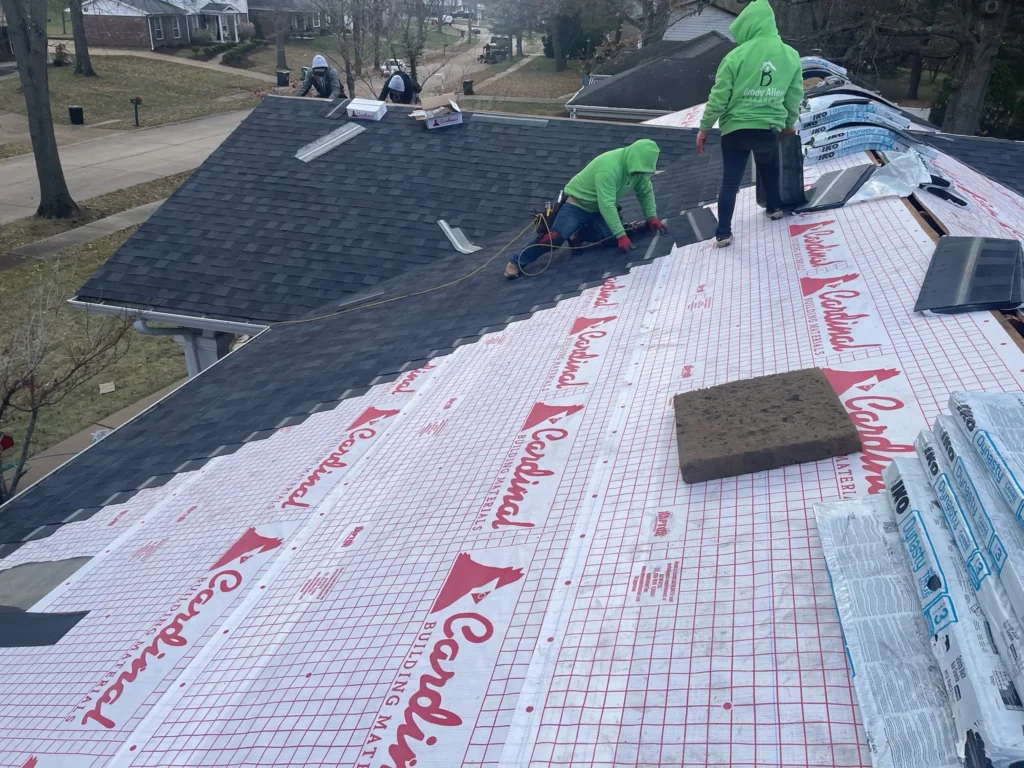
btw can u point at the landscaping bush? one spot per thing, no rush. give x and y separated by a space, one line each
236 57
246 31
201 37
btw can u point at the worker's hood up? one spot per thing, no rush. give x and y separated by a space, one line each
756 20
319 61
642 156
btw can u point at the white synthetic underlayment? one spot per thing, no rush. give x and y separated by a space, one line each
513 516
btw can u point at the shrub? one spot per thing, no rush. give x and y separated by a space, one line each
236 57
201 37
246 31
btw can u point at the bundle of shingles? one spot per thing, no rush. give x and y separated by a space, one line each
960 512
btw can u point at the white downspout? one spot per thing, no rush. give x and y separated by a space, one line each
149 26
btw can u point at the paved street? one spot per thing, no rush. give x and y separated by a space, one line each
120 159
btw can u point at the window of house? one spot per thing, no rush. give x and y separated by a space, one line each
316 20
176 27
158 28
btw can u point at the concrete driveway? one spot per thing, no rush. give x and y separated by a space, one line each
118 160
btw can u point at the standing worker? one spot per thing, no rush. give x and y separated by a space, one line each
324 79
590 212
756 95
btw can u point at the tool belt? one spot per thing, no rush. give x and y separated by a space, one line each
546 218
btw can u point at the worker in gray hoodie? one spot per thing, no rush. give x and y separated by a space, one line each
324 79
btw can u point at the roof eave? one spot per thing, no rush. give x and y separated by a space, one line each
185 321
619 113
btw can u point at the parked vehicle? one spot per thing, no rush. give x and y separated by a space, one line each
391 66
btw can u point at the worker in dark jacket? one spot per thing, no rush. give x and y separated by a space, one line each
323 79
400 88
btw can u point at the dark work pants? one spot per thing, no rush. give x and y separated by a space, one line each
736 149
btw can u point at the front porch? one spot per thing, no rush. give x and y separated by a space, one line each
220 19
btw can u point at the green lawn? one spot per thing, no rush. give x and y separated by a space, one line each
439 38
169 91
299 53
28 230
538 79
151 362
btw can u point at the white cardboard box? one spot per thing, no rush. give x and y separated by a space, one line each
1002 619
987 709
366 109
443 121
998 533
995 424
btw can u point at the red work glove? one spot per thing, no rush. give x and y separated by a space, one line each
625 245
702 136
657 225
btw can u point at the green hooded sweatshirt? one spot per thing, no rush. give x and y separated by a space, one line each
606 178
760 83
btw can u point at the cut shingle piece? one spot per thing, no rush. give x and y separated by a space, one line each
789 418
970 274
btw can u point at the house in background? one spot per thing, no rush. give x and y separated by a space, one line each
6 49
305 17
156 24
690 21
652 81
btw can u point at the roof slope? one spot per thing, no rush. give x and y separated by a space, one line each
292 370
666 83
664 49
257 235
999 159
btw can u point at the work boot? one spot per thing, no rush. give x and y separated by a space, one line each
723 242
775 215
511 271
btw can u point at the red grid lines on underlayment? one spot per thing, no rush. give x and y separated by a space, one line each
493 561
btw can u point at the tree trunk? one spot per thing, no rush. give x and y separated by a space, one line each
280 37
556 44
26 20
83 63
916 69
974 66
357 40
519 43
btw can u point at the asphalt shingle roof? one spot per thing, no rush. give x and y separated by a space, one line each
257 235
661 49
292 370
665 83
999 159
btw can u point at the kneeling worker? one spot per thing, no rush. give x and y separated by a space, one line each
324 79
589 213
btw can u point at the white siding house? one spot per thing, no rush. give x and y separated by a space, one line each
687 22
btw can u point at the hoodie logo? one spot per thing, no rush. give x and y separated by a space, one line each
766 73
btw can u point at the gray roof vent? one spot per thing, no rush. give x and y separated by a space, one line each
325 144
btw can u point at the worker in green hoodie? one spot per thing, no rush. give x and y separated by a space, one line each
590 213
756 96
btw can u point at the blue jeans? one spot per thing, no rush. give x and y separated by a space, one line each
736 149
570 220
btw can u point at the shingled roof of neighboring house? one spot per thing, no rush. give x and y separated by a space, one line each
155 7
999 159
659 86
260 236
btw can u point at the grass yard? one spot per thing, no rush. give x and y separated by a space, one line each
439 38
170 92
151 362
541 108
29 230
13 150
895 88
537 79
299 53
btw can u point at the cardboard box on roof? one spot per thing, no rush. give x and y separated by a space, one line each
439 111
987 709
1002 619
366 109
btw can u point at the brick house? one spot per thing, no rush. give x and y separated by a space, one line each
156 24
305 18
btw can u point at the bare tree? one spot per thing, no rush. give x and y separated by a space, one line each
26 26
83 62
47 352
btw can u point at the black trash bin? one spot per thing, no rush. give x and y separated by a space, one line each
77 115
467 87
282 78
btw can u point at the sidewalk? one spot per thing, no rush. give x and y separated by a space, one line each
14 130
116 161
51 246
215 64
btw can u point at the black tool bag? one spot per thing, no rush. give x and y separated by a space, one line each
791 173
546 218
